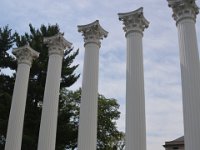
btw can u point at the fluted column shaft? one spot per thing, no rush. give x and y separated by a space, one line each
16 118
184 13
135 23
87 134
135 105
190 73
48 126
88 109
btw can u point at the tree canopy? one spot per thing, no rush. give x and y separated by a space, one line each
108 136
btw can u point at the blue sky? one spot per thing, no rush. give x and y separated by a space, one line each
160 47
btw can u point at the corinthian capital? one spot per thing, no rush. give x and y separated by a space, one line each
183 9
25 54
57 44
134 21
93 32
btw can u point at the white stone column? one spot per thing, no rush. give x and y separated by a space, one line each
48 126
87 134
134 25
184 13
25 56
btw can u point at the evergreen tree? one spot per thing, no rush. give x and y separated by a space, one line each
36 80
6 81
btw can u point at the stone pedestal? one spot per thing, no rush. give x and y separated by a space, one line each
184 13
25 56
134 25
87 136
47 136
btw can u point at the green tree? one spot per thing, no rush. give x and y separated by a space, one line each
67 129
108 136
6 81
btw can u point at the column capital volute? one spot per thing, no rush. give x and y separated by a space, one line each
183 9
25 54
134 21
93 32
57 44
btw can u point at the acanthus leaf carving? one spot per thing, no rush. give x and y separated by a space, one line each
25 54
134 21
183 9
57 44
93 32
